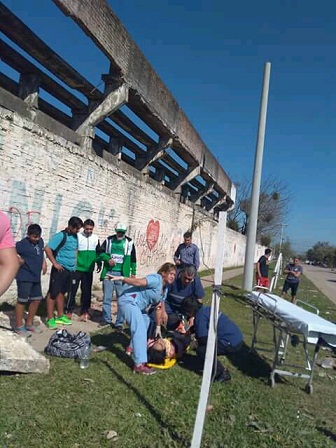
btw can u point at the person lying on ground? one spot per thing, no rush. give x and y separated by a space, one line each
161 349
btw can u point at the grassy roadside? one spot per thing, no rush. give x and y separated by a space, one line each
71 408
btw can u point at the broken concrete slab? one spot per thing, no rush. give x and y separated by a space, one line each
16 355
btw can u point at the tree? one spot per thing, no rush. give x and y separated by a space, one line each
322 253
274 202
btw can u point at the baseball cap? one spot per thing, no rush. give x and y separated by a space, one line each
120 227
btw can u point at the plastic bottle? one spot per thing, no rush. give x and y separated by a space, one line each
85 356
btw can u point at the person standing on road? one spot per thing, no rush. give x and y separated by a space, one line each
293 271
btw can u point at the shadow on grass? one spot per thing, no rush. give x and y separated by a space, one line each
247 361
327 433
173 434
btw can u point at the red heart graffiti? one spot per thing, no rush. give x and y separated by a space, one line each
152 233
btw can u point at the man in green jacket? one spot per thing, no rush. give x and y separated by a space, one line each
119 257
88 249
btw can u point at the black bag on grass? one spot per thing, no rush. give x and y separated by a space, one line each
67 345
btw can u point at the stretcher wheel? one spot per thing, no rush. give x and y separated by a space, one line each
309 389
271 381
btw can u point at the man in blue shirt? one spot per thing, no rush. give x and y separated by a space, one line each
293 271
187 283
28 279
187 252
229 336
61 251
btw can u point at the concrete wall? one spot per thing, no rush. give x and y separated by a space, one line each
47 179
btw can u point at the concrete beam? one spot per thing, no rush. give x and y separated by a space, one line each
201 193
149 96
184 178
107 106
154 153
29 85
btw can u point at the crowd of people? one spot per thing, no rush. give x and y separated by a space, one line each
168 301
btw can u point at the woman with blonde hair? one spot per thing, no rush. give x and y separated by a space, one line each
133 304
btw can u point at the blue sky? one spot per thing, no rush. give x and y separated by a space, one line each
211 55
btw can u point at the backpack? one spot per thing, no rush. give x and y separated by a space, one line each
61 244
67 345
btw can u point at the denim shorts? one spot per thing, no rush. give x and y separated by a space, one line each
29 291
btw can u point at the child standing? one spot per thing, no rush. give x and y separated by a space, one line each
28 279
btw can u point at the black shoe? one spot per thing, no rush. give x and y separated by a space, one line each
224 377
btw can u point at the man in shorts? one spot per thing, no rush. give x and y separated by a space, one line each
61 251
293 271
262 269
28 279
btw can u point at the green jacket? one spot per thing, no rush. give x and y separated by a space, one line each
129 263
88 248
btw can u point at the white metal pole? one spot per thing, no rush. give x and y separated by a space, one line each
212 336
253 218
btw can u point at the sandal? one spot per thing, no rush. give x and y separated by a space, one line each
33 328
22 331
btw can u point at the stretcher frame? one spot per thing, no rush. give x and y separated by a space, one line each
282 333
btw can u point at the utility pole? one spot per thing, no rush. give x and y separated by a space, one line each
253 218
281 236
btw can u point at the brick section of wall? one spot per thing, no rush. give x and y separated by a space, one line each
47 179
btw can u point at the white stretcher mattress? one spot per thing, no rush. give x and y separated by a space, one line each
298 319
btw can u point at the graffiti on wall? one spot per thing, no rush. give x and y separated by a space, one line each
26 207
153 246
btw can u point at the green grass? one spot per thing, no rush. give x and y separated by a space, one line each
72 408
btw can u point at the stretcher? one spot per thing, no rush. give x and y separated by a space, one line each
291 323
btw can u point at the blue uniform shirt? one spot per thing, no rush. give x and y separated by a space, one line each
177 292
66 256
33 256
227 331
148 295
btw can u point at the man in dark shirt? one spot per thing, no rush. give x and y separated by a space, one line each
262 269
187 253
187 283
229 336
28 279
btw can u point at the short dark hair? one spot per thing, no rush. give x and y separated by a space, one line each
75 222
88 222
187 234
267 251
190 306
156 356
34 229
189 269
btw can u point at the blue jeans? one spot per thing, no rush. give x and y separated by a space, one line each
138 322
108 289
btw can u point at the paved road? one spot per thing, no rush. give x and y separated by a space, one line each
323 278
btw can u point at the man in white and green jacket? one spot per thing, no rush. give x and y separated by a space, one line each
88 250
119 257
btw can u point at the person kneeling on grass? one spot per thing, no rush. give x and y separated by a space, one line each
229 336
134 302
